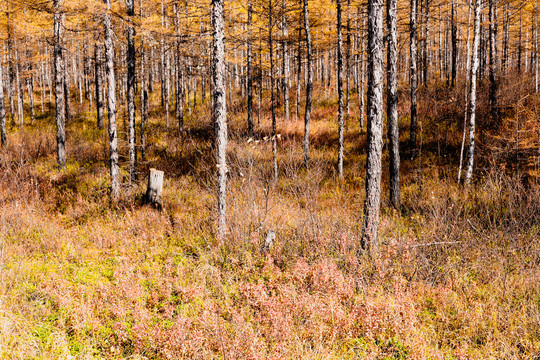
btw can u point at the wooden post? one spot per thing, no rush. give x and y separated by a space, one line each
155 188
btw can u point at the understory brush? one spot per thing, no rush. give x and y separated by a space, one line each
456 277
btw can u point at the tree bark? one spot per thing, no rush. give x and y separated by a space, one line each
493 71
3 134
250 71
11 68
59 85
144 103
340 90
454 44
272 94
179 74
111 101
392 102
130 59
370 225
285 61
414 75
361 90
468 75
426 52
474 70
98 83
309 87
220 113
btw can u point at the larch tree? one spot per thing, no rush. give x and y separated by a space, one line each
59 85
392 102
413 77
474 72
370 224
493 60
98 86
309 85
272 90
250 69
454 44
130 60
285 61
467 79
3 135
220 112
340 90
111 102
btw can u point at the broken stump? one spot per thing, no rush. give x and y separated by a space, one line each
155 188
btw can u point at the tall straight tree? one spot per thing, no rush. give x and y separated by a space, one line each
250 70
11 66
340 89
309 85
468 75
179 73
111 102
454 44
493 61
220 112
414 73
3 135
272 94
370 225
130 59
59 85
392 101
285 61
98 85
474 71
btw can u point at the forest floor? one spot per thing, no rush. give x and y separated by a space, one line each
458 275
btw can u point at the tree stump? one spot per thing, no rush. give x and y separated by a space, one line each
155 188
268 242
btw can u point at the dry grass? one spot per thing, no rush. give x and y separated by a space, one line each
457 278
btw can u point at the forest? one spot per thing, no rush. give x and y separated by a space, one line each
269 179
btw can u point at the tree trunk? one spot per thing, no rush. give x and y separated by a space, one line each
454 43
144 103
536 45
130 59
370 225
362 78
11 68
309 87
493 73
285 60
30 87
59 86
250 71
426 55
392 102
467 74
272 95
506 37
298 72
520 45
111 100
340 89
474 70
220 113
98 83
3 135
414 76
348 62
179 75
20 91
